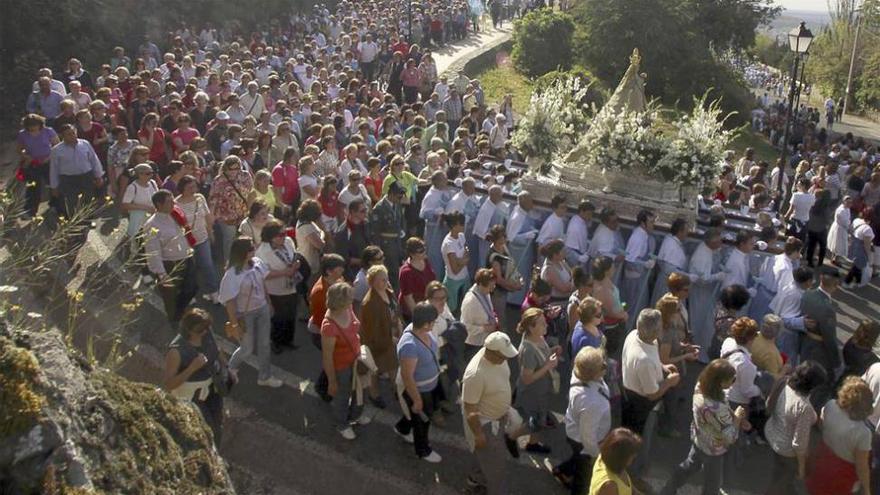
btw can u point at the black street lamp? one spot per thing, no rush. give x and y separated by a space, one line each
799 40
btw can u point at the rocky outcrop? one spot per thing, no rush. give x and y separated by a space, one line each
69 427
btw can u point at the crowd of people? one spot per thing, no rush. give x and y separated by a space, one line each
324 179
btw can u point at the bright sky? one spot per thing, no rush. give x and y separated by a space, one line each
815 5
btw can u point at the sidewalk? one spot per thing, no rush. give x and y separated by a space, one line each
462 51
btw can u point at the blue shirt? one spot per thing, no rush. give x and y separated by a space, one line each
73 160
581 338
427 370
48 106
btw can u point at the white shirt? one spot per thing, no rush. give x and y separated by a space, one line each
642 370
484 217
368 50
475 316
553 228
801 202
787 302
517 219
347 196
347 166
672 252
140 195
637 246
434 204
456 246
254 104
737 268
245 286
588 416
702 262
164 240
872 378
460 202
744 388
605 242
278 286
577 237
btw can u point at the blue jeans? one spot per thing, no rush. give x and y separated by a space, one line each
712 466
205 267
225 235
257 331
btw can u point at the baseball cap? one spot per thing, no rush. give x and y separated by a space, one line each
500 342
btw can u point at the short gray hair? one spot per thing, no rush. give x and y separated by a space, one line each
649 321
771 325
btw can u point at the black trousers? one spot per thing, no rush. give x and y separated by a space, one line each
816 239
636 409
180 288
419 424
854 275
35 178
578 467
77 193
322 384
212 410
284 319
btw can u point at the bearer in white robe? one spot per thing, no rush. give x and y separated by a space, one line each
706 276
577 238
639 265
522 229
554 225
671 258
787 306
776 273
492 212
607 241
433 207
467 202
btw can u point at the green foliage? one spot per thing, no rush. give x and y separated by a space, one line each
499 81
597 92
21 402
774 54
542 41
675 44
730 23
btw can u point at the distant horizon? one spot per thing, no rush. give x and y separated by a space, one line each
819 6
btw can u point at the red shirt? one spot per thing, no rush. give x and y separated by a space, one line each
185 136
329 204
376 184
94 133
348 341
157 151
413 282
286 178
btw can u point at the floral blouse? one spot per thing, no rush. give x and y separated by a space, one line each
713 430
228 205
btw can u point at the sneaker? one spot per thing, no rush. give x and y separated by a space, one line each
512 447
348 433
270 382
433 457
362 420
847 286
408 438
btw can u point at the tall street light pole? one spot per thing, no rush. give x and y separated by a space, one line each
799 40
852 63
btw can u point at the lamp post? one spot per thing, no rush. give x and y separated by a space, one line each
799 40
409 37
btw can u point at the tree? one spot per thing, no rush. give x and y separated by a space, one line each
542 42
731 23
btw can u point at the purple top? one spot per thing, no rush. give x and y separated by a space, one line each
170 185
39 146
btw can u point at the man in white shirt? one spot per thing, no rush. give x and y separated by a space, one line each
645 380
169 255
607 240
737 265
467 202
486 400
554 226
787 306
577 236
776 273
706 277
433 207
252 101
639 264
368 51
492 212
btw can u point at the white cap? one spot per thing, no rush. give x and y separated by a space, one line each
222 115
500 342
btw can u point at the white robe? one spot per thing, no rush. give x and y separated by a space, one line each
577 242
838 234
553 228
706 277
737 268
671 258
637 272
433 205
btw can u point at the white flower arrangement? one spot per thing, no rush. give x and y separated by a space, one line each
694 154
622 142
555 118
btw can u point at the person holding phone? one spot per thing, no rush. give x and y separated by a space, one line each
538 378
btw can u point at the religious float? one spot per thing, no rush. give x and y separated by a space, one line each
628 156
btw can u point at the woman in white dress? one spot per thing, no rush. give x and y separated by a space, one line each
838 234
137 200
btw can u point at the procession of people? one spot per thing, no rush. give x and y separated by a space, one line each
322 181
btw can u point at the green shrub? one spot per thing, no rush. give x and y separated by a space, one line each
542 42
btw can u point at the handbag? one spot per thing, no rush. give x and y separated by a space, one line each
221 380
